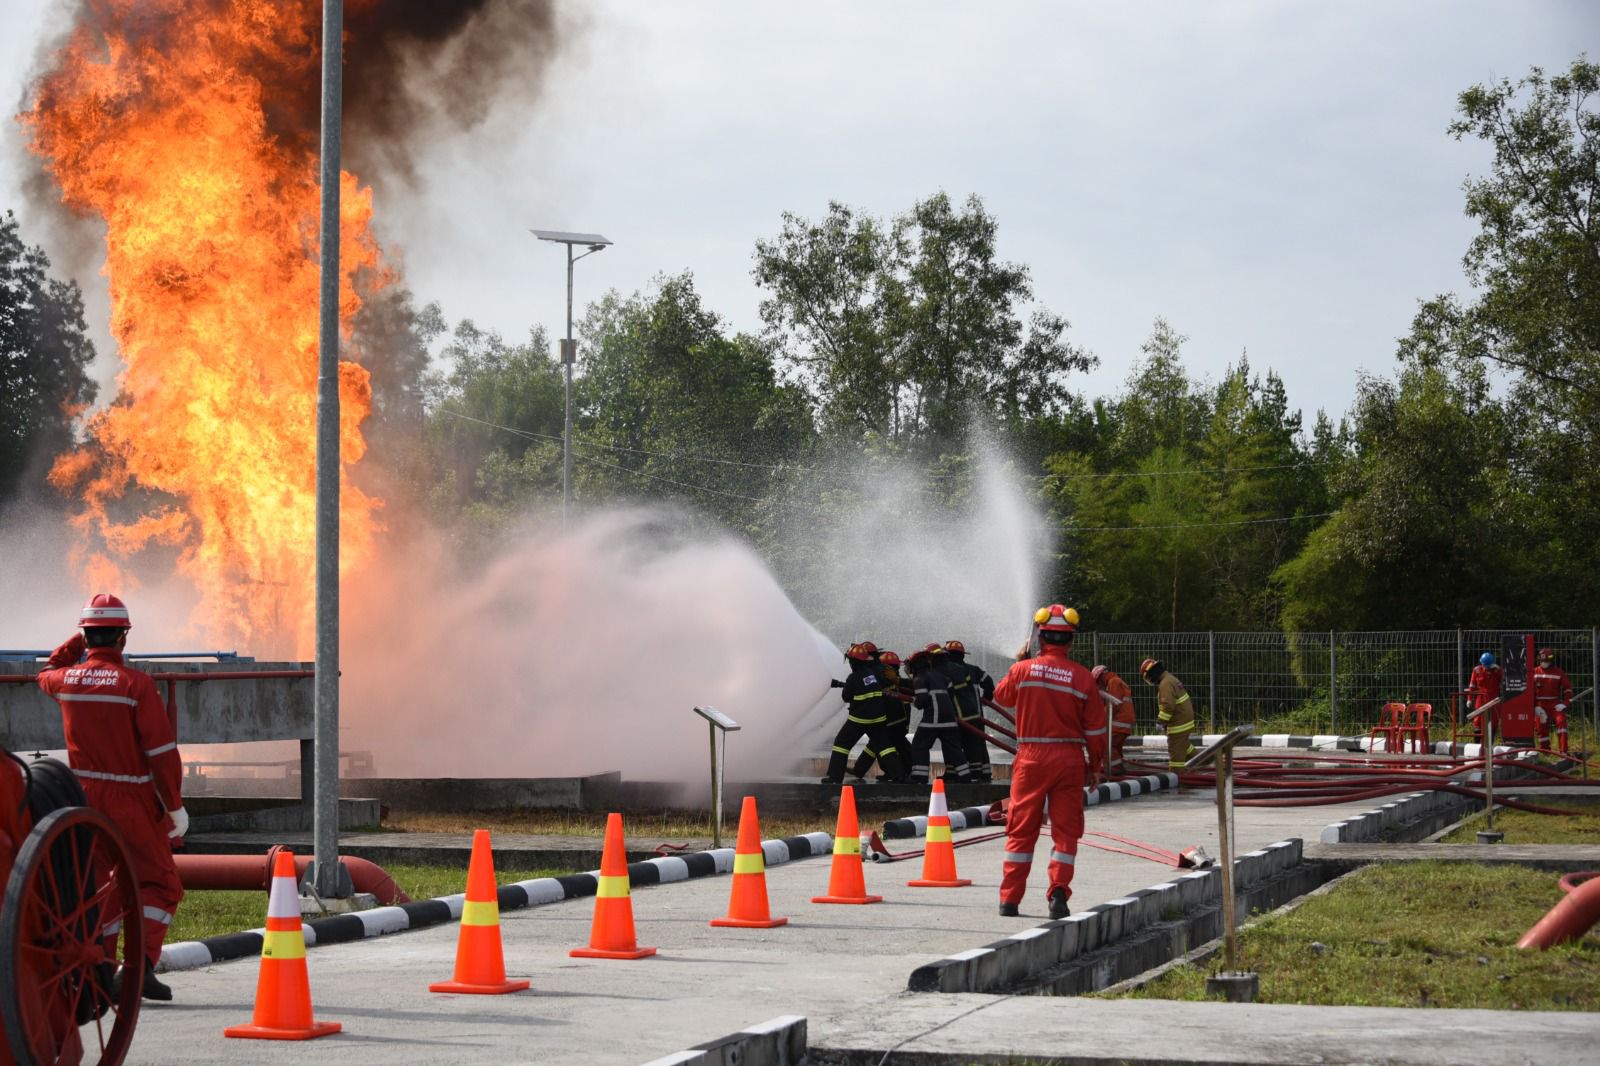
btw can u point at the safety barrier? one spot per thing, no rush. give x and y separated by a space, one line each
195 954
1093 795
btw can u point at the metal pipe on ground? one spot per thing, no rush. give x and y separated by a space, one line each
244 873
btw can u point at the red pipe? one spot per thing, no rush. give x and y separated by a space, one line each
238 873
201 675
1569 919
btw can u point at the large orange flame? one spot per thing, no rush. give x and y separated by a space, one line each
164 119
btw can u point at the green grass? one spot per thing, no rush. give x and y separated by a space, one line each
1412 934
672 825
203 914
1521 827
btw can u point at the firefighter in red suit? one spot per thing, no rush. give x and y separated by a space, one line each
1061 734
1552 691
1484 687
122 748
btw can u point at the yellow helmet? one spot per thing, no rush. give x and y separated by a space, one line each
1056 619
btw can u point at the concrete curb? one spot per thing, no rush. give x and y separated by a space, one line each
779 1042
1312 743
1120 937
1419 812
195 954
973 817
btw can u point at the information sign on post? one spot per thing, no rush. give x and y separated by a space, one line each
1233 985
719 723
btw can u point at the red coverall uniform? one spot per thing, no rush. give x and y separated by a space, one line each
1552 691
1485 687
121 746
1061 725
1119 700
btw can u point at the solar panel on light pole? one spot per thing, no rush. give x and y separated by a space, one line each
569 350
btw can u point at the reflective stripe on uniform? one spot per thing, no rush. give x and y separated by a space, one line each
1122 727
127 779
847 845
1052 687
754 863
126 701
1018 858
162 750
1050 740
1095 732
611 886
1181 699
285 944
1063 858
882 718
480 912
113 929
156 914
841 751
1180 728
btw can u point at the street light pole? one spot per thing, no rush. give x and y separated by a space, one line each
569 349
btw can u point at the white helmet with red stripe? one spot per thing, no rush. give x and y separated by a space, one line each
104 611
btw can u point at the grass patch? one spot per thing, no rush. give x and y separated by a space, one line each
1414 934
1522 827
672 825
203 914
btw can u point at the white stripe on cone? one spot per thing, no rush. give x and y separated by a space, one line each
937 808
284 902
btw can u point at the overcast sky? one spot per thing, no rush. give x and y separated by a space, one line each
1267 176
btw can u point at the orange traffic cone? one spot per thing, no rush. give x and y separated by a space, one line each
939 856
845 882
283 992
748 907
480 965
612 935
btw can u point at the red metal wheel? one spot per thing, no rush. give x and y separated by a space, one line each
71 892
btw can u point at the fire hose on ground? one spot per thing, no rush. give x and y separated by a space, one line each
254 873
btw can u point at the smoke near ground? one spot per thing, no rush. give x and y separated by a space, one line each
579 652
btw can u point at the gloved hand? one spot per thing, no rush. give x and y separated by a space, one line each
835 683
1543 718
180 822
1025 652
1560 707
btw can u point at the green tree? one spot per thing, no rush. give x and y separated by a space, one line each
45 352
909 329
673 406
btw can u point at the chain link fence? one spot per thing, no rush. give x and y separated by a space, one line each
1322 683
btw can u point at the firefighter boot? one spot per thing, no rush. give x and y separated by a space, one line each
1008 910
1058 903
153 987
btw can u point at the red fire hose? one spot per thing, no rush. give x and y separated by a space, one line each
254 873
1569 919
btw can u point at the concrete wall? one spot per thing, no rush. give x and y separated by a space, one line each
209 712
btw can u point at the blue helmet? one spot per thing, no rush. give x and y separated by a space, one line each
1486 659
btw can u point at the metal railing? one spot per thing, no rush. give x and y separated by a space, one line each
1319 683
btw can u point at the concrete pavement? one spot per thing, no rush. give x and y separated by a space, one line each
843 967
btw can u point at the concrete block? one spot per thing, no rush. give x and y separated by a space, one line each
1091 930
1066 940
957 973
1111 914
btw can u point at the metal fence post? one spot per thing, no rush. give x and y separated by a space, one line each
1211 674
1333 683
1461 659
1594 698
1095 646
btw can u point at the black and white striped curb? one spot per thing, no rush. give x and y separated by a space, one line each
1315 743
194 954
779 1042
973 817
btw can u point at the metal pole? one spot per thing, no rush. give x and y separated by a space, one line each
716 791
1461 659
1333 683
1488 769
568 356
325 808
1230 936
1211 674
